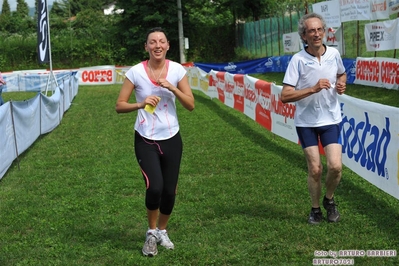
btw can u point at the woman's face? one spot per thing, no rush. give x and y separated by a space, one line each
157 45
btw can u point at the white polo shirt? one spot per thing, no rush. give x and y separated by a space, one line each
163 123
304 71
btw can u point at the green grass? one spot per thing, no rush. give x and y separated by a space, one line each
78 198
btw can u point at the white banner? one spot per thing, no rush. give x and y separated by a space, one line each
381 36
34 80
97 75
370 143
393 6
377 71
355 10
334 39
282 116
337 11
330 10
291 42
379 9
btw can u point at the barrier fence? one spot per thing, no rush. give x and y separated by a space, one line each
369 131
22 122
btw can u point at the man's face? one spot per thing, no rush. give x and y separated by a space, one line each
314 33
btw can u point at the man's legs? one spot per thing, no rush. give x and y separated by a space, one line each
334 173
315 170
334 168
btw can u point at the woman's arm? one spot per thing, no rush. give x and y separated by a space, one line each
183 92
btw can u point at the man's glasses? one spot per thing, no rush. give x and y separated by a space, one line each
313 31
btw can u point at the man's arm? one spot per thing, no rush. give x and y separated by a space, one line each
289 94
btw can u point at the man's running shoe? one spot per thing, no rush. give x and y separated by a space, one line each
316 216
332 211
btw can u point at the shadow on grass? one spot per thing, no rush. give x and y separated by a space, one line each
252 135
372 205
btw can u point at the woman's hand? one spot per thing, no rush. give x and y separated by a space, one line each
151 100
165 84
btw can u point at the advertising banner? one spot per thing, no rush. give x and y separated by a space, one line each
352 10
379 9
370 143
378 71
261 65
393 6
292 42
334 38
381 36
97 75
330 10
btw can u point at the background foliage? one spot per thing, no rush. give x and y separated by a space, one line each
81 35
218 31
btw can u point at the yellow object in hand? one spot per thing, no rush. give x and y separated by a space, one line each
149 108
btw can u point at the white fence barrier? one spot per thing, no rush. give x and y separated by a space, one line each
22 122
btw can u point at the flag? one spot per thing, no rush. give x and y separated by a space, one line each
43 42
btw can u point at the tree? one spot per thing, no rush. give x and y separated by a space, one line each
21 23
207 13
140 16
5 16
249 10
22 8
210 30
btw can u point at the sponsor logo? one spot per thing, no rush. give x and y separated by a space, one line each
97 75
365 143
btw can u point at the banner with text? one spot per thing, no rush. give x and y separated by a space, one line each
261 65
381 36
370 143
378 71
292 42
330 10
97 75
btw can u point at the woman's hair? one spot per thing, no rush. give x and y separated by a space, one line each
302 26
156 29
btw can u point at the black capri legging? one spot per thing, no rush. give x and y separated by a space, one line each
160 164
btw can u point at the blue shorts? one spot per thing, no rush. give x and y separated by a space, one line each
309 136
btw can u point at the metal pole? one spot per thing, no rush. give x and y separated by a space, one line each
51 74
181 35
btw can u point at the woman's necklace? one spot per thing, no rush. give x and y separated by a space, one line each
153 71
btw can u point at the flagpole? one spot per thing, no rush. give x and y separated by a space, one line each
49 47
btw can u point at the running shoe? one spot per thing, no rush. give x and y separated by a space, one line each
315 216
164 240
332 211
150 246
